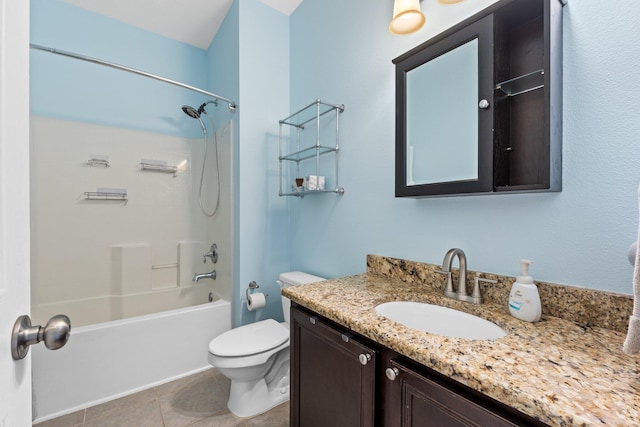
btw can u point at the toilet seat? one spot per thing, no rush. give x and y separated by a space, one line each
248 345
249 339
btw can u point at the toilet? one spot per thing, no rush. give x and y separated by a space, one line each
255 357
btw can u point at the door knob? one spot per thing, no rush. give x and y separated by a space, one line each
55 334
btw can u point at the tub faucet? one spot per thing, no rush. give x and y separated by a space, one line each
197 277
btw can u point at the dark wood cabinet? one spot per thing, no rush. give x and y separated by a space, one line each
415 396
517 111
332 375
334 383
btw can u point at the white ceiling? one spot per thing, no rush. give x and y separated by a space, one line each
194 22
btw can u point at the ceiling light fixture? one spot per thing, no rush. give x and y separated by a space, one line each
407 17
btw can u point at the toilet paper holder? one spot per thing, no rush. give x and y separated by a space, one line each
252 286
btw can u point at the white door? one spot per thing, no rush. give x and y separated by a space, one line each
15 376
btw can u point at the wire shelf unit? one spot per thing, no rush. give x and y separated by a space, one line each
309 115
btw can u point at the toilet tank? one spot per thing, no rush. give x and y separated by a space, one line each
294 278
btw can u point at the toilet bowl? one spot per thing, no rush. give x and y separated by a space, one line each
255 357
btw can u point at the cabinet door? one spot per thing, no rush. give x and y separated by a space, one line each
517 111
416 400
444 119
332 375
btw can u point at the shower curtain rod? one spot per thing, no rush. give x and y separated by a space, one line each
232 105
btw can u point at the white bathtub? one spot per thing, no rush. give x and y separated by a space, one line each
90 311
110 360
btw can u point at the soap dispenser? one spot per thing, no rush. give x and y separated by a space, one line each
524 299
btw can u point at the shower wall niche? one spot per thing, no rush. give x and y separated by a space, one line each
101 260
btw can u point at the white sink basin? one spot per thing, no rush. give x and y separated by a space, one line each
440 320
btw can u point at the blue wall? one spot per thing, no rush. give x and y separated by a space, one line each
261 215
342 51
249 58
70 89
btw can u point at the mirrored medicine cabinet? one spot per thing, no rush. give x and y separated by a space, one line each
478 108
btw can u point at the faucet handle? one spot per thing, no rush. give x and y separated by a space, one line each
479 278
213 254
476 295
448 289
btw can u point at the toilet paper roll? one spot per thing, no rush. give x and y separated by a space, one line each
256 301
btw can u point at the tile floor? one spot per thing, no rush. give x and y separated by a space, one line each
199 400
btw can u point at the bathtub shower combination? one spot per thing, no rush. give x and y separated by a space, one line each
116 241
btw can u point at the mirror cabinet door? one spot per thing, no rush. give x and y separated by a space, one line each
444 120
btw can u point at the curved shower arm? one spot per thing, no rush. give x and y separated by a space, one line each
231 104
204 104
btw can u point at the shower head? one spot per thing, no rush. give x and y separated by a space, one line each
196 113
191 112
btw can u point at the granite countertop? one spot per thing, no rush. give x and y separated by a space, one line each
556 370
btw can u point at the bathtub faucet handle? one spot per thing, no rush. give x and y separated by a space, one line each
213 254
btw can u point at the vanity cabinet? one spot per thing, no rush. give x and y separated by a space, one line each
332 385
479 107
332 375
416 396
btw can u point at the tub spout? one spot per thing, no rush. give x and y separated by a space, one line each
197 277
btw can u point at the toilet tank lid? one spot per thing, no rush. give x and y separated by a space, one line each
299 278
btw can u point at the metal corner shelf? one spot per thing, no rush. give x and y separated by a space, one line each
298 120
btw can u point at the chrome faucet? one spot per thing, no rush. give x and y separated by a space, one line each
461 293
197 277
462 277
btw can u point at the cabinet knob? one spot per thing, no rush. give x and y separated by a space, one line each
392 373
364 358
483 104
313 320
